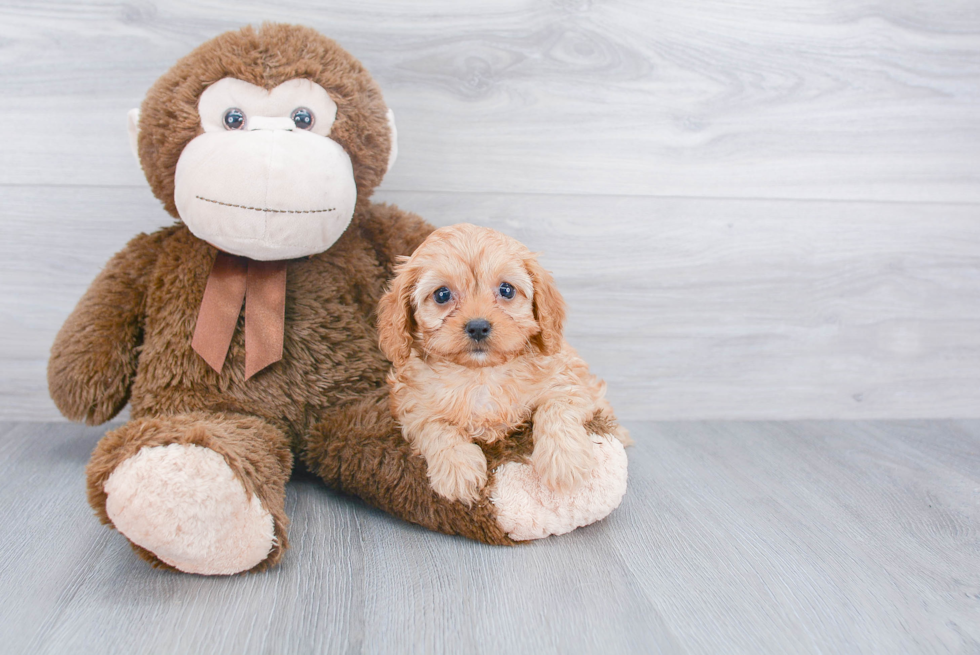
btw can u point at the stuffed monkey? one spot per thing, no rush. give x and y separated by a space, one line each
243 335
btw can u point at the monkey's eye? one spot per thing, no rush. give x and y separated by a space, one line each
506 290
442 295
302 118
234 119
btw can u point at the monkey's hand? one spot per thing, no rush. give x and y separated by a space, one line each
93 359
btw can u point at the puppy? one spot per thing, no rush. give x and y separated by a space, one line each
473 326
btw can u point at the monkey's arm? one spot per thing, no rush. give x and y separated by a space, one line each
93 359
393 232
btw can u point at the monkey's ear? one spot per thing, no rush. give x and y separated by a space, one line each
393 153
134 131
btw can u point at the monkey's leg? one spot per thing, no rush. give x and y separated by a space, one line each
198 492
360 450
527 508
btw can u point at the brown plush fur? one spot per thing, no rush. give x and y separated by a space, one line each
360 451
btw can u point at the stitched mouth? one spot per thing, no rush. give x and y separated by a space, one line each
265 209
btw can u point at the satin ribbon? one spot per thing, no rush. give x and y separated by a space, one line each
262 287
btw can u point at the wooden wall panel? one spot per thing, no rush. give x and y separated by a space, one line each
834 100
760 209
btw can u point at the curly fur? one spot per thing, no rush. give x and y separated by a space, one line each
450 390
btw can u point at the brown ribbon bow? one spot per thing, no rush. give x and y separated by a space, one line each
262 286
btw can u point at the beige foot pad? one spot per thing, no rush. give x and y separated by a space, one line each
185 505
526 509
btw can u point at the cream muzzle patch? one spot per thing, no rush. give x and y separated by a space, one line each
265 180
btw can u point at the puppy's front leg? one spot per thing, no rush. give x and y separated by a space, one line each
457 467
563 455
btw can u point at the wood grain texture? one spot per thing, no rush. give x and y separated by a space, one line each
819 99
803 537
689 308
664 156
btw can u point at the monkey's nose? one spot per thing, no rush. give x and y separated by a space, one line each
478 329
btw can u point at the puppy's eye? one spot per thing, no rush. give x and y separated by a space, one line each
234 119
442 295
506 290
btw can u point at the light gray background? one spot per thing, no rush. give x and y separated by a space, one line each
756 210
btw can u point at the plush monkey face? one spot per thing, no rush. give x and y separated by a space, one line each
265 179
262 142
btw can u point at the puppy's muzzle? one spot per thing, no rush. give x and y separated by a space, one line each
478 329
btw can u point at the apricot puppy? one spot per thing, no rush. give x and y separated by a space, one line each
473 326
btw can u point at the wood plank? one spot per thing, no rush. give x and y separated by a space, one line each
832 100
801 537
689 308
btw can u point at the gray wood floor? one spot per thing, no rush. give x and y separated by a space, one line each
797 537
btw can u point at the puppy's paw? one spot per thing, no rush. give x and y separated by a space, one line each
458 472
563 461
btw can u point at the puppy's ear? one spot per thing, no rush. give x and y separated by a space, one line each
549 307
396 319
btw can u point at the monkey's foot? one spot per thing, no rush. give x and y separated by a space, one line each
184 504
528 509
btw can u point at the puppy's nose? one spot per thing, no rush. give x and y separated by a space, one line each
478 329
